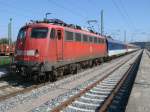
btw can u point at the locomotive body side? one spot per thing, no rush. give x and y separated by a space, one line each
83 45
43 48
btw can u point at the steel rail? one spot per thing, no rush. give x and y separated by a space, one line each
78 95
108 101
27 89
147 52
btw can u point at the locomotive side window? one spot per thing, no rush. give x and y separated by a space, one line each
95 39
22 34
91 39
85 38
39 32
69 35
52 34
99 41
77 37
102 41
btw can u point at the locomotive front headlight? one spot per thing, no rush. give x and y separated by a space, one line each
36 53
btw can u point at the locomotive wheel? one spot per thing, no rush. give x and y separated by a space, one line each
101 60
73 69
24 75
78 69
60 72
35 78
97 62
53 76
41 77
29 77
90 64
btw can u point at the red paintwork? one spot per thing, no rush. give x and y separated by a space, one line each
54 50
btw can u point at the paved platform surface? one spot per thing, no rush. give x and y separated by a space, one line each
140 96
3 72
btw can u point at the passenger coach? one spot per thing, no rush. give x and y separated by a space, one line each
116 47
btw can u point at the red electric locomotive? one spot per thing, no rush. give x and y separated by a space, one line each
51 48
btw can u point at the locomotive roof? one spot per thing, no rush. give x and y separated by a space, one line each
59 23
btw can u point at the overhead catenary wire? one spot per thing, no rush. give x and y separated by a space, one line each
14 9
73 12
127 15
126 22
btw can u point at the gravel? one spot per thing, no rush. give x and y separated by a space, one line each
63 97
34 94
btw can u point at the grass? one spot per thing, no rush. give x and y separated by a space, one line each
5 61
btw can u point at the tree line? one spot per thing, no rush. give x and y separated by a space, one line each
5 41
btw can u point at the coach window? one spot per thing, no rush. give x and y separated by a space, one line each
77 37
85 38
68 36
91 39
52 35
95 39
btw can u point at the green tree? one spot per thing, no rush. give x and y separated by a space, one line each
4 41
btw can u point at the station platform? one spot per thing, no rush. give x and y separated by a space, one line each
139 100
3 72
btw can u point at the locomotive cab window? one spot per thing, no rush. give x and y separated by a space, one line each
22 34
39 32
52 34
59 34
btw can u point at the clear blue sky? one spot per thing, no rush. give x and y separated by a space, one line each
119 15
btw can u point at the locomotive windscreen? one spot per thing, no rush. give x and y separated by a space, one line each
22 34
39 32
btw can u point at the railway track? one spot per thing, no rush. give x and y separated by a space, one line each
17 87
99 95
20 90
11 90
148 53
